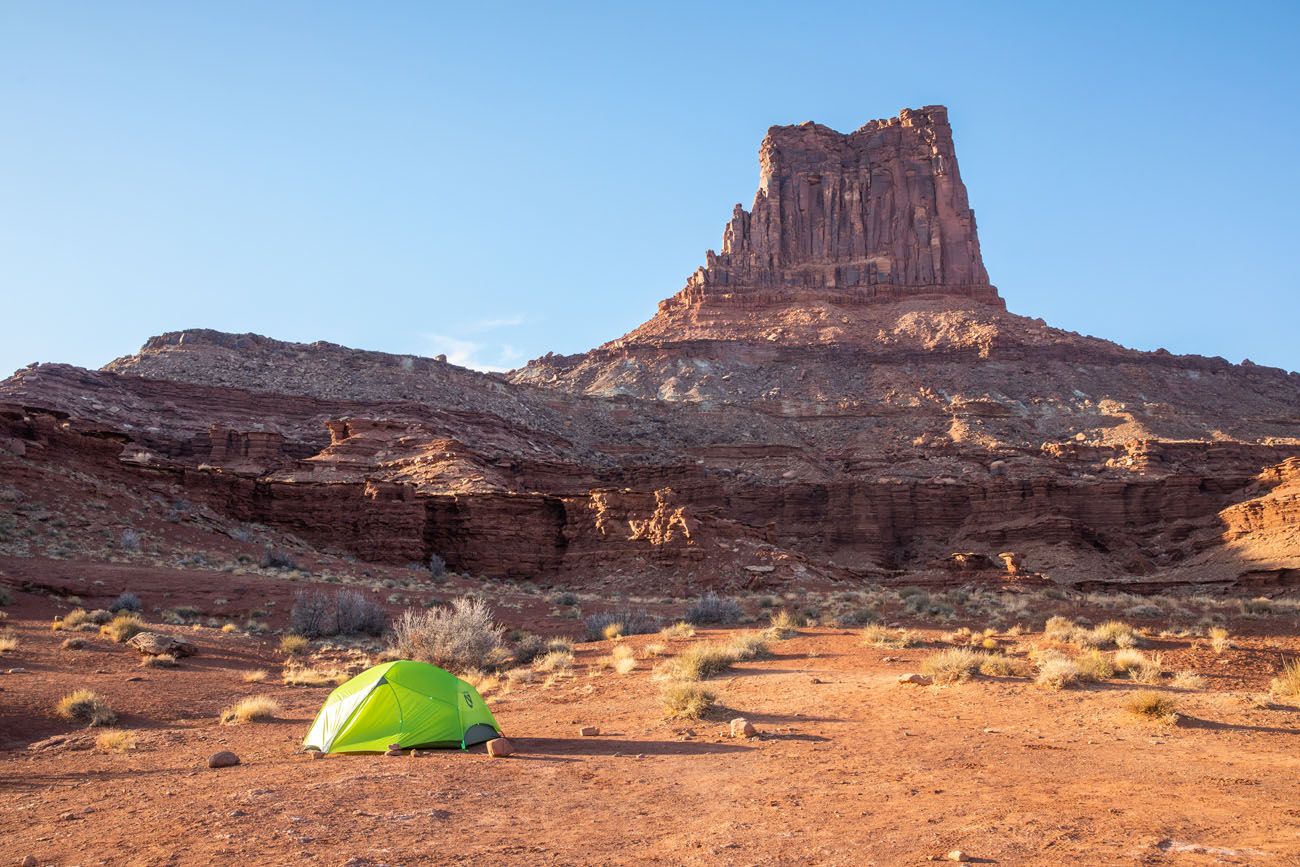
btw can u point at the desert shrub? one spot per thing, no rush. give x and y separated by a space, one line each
74 619
702 661
8 641
564 599
99 616
877 635
115 741
1092 664
127 601
1059 628
952 665
1153 706
559 660
437 566
1287 683
6 598
856 617
274 558
122 627
229 628
251 709
1219 639
292 644
1257 607
1188 680
685 700
1149 670
622 659
629 622
528 648
160 660
345 612
1146 610
712 608
612 631
1056 672
459 637
257 675
1127 659
781 625
74 643
1001 665
300 675
677 631
129 540
748 645
87 707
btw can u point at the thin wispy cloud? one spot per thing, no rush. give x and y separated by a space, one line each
476 354
494 324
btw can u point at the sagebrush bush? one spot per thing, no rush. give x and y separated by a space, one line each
317 613
713 609
702 661
748 645
274 558
126 601
564 599
251 709
677 631
1001 665
528 647
74 619
685 700
629 622
1094 665
1057 672
459 637
85 706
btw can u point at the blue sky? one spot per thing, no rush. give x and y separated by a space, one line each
498 181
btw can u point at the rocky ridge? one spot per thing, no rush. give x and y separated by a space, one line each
838 395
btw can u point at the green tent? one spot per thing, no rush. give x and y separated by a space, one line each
408 703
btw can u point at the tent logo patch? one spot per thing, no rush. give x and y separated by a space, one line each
469 702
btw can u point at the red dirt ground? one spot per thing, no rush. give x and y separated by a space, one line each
850 768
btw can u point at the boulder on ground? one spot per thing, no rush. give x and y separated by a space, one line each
589 731
918 679
223 759
157 644
500 747
743 728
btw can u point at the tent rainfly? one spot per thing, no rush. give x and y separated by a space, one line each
413 704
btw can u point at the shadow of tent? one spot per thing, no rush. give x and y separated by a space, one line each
599 746
1191 722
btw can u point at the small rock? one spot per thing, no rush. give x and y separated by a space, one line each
17 671
957 855
499 748
394 753
29 861
743 728
394 746
135 678
918 679
315 754
235 814
589 731
223 759
815 680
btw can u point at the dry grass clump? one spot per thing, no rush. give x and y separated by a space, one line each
1001 665
622 659
612 631
252 709
73 643
1056 671
1094 665
1287 683
679 630
876 635
123 627
559 661
781 625
115 741
1148 670
685 700
703 661
1153 706
161 660
301 675
1112 633
1219 639
748 645
229 628
257 675
1188 680
292 644
652 650
9 641
953 665
87 707
77 618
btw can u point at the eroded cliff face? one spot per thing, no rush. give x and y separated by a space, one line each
838 395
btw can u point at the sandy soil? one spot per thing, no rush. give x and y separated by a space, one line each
850 768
